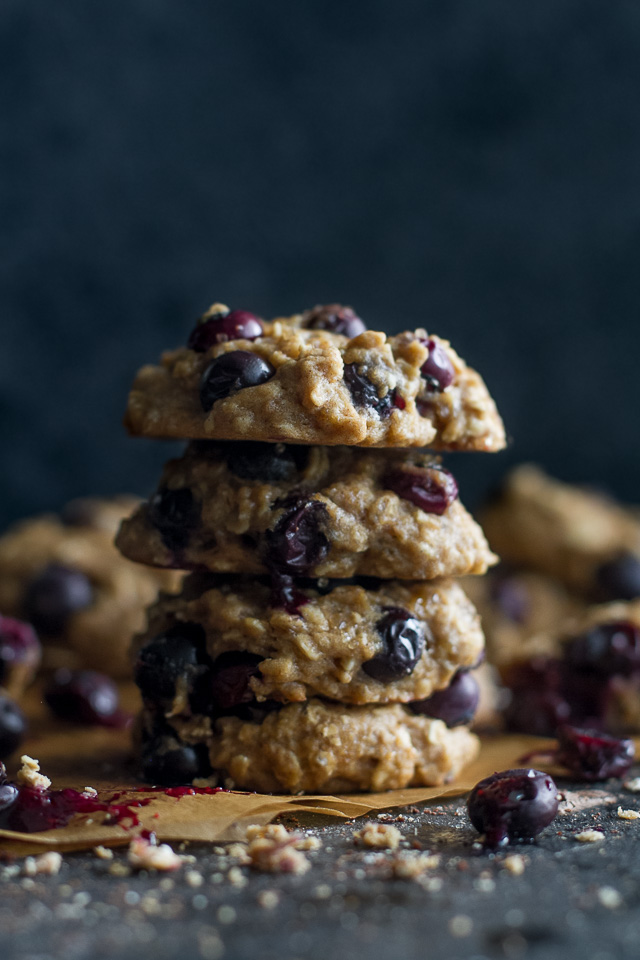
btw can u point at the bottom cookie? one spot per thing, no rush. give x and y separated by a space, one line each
311 747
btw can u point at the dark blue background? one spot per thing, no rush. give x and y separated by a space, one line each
469 166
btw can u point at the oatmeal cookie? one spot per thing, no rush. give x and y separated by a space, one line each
311 747
584 539
306 379
69 581
224 640
310 511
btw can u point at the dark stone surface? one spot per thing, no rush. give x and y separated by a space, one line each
471 166
348 907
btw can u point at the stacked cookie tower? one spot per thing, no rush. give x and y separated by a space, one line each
320 643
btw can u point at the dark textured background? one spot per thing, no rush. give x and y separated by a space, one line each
473 167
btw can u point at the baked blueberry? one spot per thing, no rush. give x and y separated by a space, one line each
18 645
175 513
176 655
53 596
456 705
231 372
231 676
222 326
286 595
336 319
432 489
437 369
169 763
513 806
365 392
297 543
267 462
594 756
404 641
608 648
13 727
84 696
511 597
619 579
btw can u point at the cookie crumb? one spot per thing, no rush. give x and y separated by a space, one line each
273 849
460 925
633 786
515 864
103 853
119 869
143 855
628 814
381 835
609 897
29 774
410 864
268 899
47 863
90 793
589 836
193 878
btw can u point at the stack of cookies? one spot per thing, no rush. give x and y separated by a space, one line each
320 642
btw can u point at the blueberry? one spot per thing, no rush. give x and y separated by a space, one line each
513 806
176 655
404 641
593 756
455 705
297 543
175 513
608 648
83 696
230 679
18 645
53 596
336 319
511 597
286 595
437 369
432 490
619 579
365 393
169 763
13 727
267 462
231 372
220 327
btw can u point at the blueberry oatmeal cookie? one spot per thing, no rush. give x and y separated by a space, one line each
319 377
226 639
307 511
65 577
585 540
310 747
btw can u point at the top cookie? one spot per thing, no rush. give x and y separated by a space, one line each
318 377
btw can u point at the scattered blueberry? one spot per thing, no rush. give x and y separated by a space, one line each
365 392
231 372
336 319
84 696
433 489
608 648
220 327
230 679
455 705
175 513
168 763
267 462
297 543
437 369
593 756
54 595
513 806
13 727
18 645
619 579
403 636
178 654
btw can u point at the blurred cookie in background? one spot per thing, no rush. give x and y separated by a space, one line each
63 575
